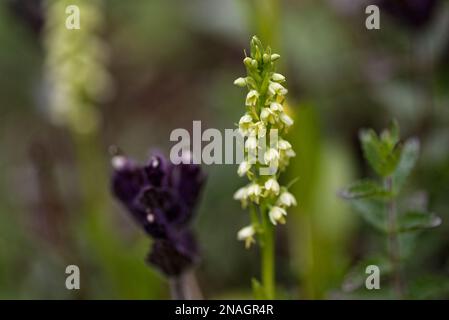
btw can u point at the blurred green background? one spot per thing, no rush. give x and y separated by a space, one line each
167 63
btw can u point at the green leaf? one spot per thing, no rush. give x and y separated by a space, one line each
372 211
430 287
409 155
258 290
370 146
382 154
417 220
365 189
394 131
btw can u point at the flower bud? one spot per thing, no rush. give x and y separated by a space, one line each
254 64
275 57
247 61
278 77
266 58
241 82
264 114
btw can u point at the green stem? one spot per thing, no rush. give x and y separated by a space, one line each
267 252
393 243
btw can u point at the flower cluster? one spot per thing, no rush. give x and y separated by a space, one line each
264 115
161 197
75 65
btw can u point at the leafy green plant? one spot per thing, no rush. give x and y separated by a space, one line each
378 201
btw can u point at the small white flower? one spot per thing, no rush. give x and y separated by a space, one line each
242 196
251 98
251 143
271 155
286 150
290 153
258 129
254 191
277 214
247 234
272 186
245 123
276 107
277 77
243 168
241 82
286 199
276 89
284 144
246 119
286 119
267 115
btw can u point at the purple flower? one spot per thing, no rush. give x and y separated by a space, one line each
161 197
414 13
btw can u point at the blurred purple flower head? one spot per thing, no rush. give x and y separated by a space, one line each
161 197
413 13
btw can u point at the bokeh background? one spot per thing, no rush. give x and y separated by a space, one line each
139 69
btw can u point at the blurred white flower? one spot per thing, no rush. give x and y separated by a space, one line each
277 215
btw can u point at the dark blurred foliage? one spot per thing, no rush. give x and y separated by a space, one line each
173 62
413 13
30 12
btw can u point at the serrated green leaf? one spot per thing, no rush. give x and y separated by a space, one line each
372 211
417 220
408 158
365 189
370 146
258 290
382 154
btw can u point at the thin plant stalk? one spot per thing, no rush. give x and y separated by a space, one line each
267 257
393 242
